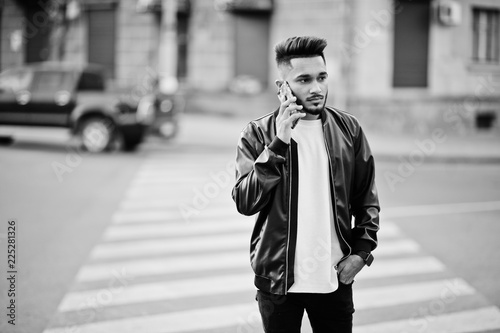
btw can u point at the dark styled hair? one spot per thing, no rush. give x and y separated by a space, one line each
299 47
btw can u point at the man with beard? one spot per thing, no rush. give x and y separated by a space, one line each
305 171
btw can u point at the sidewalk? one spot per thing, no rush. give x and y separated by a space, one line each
480 148
228 114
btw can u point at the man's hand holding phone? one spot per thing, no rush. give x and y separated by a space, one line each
288 115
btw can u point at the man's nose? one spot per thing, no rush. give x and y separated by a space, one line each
315 88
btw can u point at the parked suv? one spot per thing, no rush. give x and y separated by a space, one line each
74 97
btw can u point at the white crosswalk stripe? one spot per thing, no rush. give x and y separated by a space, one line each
182 321
175 259
171 246
476 320
166 290
367 298
174 214
212 225
162 266
217 242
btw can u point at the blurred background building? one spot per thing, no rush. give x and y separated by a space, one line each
399 65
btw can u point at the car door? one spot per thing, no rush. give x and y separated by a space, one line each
14 96
52 97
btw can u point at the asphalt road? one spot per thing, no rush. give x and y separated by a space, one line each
452 211
63 200
60 210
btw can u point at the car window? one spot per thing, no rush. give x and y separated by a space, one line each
50 82
91 81
15 80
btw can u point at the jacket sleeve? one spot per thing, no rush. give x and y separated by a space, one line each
258 170
364 198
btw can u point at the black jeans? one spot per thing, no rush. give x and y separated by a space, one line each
327 313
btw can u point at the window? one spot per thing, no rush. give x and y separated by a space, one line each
102 36
411 44
486 35
50 82
90 81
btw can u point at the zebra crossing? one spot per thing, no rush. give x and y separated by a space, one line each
175 259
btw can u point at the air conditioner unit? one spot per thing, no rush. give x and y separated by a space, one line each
449 13
143 6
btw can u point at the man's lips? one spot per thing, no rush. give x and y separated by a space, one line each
314 98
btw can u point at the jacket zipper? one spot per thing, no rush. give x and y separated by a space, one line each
335 197
289 213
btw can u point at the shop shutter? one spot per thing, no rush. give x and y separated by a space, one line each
252 46
102 37
411 43
36 36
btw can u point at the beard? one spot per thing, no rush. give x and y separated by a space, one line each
316 109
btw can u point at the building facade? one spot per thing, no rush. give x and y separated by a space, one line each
425 64
403 65
121 35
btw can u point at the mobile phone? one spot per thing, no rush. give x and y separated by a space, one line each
286 93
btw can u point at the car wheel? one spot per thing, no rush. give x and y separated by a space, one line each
6 140
96 134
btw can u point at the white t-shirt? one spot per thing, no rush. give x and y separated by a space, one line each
318 248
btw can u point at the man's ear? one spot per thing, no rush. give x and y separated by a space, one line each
278 83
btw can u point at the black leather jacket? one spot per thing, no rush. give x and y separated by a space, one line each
266 185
